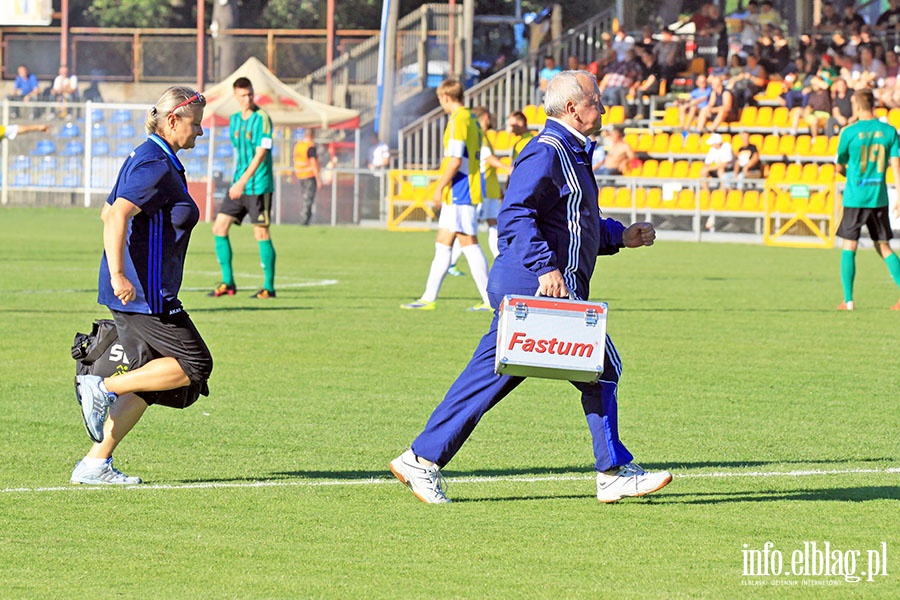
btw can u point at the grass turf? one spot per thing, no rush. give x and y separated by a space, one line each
776 413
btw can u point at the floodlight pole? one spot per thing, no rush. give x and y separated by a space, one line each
329 51
201 43
64 35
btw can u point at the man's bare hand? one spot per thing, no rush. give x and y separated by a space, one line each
639 234
553 285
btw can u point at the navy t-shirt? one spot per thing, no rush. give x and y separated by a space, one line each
152 178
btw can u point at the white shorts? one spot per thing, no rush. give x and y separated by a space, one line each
490 207
459 218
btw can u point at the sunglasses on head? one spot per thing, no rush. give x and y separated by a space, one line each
197 97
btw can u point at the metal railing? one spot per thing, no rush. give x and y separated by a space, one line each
512 88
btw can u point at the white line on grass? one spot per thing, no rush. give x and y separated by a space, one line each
379 481
298 283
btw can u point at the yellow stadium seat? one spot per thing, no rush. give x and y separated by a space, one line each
826 172
615 115
665 168
733 200
680 169
772 92
764 117
704 200
810 173
769 144
503 140
686 199
881 112
692 144
784 203
660 143
717 199
531 113
654 197
890 176
676 143
644 143
623 197
817 201
695 168
756 139
781 117
491 135
671 117
607 197
819 146
631 139
793 172
786 144
803 146
748 116
833 145
751 201
650 168
894 117
640 197
777 171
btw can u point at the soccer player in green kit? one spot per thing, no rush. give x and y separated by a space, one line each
251 193
864 151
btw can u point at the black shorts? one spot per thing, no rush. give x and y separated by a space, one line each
876 220
148 337
258 207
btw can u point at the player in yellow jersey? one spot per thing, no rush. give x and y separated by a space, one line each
517 125
459 191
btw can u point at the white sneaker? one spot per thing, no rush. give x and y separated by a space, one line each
425 482
629 480
106 473
94 404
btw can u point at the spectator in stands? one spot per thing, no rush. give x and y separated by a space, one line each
10 132
25 89
779 55
649 86
830 21
719 162
64 89
851 18
768 15
750 82
750 30
796 78
721 108
618 154
550 69
617 84
646 42
517 126
747 163
721 68
868 70
889 20
689 109
891 65
865 199
622 44
716 30
816 108
380 155
573 63
669 55
841 107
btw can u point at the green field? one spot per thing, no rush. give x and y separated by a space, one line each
777 415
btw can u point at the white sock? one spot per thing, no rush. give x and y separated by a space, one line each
457 252
478 265
492 240
94 463
439 267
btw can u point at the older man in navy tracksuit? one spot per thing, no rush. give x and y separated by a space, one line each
550 234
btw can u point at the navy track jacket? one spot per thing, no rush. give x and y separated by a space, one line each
550 218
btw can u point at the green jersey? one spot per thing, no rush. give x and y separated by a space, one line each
865 149
246 136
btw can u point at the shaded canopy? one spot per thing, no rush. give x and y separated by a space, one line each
285 106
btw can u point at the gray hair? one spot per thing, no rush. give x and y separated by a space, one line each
171 98
564 87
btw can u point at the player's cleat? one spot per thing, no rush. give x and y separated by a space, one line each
94 404
847 305
896 306
455 272
629 480
426 483
481 307
419 305
106 474
223 289
263 294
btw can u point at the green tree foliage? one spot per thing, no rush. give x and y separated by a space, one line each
131 13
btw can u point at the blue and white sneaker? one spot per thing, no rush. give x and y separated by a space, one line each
455 272
94 403
480 307
426 483
105 474
629 480
419 305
